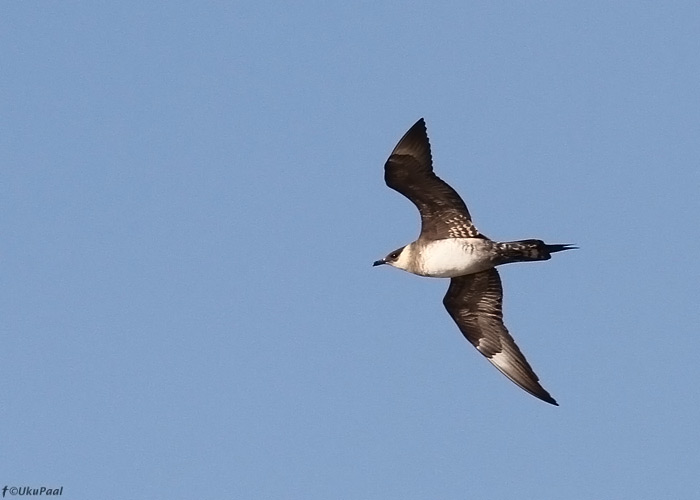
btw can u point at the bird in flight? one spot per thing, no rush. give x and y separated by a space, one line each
450 246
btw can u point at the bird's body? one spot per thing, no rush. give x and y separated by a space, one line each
453 257
450 246
446 258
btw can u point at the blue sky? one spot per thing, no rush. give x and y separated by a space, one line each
191 197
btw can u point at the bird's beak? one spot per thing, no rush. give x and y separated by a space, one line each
379 262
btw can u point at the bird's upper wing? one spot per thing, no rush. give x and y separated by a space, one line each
409 170
475 303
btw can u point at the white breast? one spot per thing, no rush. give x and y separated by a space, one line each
455 257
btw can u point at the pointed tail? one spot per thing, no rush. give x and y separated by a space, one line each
529 250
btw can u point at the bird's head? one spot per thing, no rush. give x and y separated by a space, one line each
398 258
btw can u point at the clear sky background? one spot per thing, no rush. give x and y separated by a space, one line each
191 199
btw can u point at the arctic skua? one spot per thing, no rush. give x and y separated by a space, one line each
450 246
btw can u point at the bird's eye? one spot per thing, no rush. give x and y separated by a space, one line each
394 256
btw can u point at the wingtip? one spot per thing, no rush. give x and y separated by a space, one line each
420 124
414 143
549 399
540 393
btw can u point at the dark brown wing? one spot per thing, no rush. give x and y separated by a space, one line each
475 303
409 170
